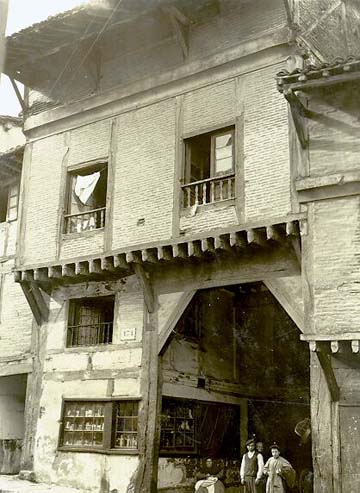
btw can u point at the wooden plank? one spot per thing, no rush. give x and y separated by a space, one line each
146 286
325 361
173 319
150 406
35 301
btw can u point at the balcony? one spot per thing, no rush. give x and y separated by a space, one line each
208 191
85 221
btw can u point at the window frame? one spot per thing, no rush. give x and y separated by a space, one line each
109 431
84 168
213 133
197 404
71 317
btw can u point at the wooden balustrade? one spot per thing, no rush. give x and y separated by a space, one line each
85 221
208 191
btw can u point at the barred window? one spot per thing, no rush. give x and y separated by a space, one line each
90 321
100 425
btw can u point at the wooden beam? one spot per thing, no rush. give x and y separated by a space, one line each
146 286
323 82
298 112
174 317
18 94
324 358
36 301
180 26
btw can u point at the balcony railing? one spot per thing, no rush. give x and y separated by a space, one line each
90 335
208 191
85 221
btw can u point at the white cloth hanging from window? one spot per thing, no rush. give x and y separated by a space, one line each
85 185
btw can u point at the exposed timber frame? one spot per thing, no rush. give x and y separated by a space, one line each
299 113
180 25
36 301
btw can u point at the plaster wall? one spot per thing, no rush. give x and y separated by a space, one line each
11 134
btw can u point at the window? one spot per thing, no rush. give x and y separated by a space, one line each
209 168
86 199
4 194
199 428
90 321
100 425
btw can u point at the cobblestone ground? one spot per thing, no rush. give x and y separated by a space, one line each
12 484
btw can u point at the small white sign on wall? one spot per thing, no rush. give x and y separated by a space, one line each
128 334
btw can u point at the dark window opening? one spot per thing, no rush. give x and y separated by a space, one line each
90 321
86 206
100 425
199 428
4 193
209 168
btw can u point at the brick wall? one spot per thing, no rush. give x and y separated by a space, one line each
42 199
15 316
334 132
266 166
144 175
144 167
335 265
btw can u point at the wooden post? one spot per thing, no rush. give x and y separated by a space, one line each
3 19
149 415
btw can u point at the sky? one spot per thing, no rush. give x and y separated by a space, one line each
23 13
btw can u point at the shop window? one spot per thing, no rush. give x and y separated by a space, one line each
100 425
197 428
86 199
209 168
90 321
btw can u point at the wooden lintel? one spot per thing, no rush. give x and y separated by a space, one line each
146 285
36 301
298 113
324 358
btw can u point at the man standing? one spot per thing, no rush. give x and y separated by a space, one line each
252 466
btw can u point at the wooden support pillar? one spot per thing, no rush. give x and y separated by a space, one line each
149 415
324 358
36 301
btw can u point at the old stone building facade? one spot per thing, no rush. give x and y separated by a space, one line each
187 232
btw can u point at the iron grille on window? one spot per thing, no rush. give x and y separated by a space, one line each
90 321
199 428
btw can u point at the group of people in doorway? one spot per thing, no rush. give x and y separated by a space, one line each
274 476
